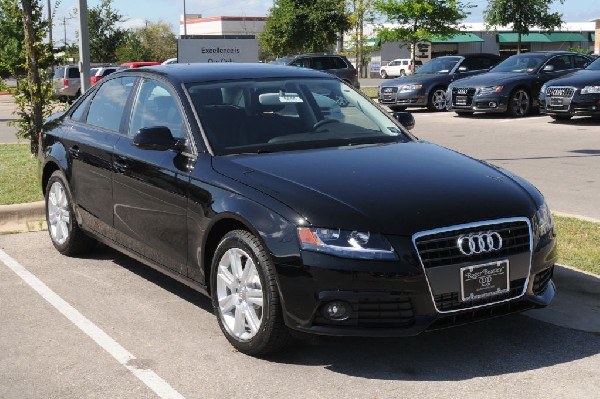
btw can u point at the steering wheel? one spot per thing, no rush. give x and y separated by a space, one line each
324 122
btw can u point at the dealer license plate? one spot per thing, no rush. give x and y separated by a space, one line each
556 102
480 281
461 100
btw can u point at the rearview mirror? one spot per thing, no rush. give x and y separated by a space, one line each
406 119
548 68
158 138
462 69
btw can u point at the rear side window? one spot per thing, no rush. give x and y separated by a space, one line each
580 62
337 63
108 71
302 63
73 73
108 104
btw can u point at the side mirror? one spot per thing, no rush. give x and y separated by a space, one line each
462 69
548 68
406 119
158 138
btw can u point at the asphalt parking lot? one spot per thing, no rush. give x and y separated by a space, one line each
107 326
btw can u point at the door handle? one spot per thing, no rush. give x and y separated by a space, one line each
74 151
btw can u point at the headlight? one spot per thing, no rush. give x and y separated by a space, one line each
407 88
490 90
542 221
590 90
543 88
347 244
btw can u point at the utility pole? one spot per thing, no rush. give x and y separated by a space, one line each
84 46
50 25
184 20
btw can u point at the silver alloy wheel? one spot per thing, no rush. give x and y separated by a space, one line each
439 99
240 294
520 103
59 214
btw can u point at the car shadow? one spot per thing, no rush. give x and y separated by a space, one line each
509 344
578 120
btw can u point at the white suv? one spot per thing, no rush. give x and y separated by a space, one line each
399 67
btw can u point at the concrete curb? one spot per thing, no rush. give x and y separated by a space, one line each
19 218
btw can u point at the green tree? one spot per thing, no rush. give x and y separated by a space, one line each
28 63
12 37
299 26
361 12
105 35
521 15
421 20
154 42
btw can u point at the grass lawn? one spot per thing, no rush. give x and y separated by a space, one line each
578 241
19 177
370 91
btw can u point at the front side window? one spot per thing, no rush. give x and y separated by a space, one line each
288 114
521 63
156 105
108 105
580 62
561 63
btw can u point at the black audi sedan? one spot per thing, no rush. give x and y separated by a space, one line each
575 94
427 86
294 202
513 86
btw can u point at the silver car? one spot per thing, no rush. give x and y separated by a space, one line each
67 82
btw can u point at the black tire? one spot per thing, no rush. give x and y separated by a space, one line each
383 74
271 334
437 101
519 103
397 108
402 73
464 113
561 117
66 235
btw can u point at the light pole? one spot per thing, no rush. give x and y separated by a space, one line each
84 46
184 20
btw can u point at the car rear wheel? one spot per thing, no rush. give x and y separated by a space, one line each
245 295
384 74
64 231
402 73
519 103
437 99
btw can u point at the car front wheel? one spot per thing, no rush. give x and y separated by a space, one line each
64 231
245 296
384 75
519 103
437 100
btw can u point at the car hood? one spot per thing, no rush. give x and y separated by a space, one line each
492 79
417 79
399 188
579 79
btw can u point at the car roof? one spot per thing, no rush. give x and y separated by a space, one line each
222 71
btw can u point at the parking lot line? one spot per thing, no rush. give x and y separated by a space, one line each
122 355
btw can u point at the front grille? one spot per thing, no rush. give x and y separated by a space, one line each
385 311
557 91
462 96
441 249
541 280
451 300
389 90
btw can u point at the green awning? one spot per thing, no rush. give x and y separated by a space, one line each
551 37
459 38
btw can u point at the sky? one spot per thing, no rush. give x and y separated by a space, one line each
138 11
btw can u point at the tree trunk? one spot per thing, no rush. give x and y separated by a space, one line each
33 75
518 42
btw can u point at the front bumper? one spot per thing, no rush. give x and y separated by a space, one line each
472 102
404 298
577 105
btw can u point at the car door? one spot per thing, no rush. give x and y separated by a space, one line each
94 130
150 186
561 65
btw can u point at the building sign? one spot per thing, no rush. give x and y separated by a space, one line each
217 50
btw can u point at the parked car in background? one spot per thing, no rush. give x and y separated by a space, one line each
66 82
513 86
137 64
96 74
575 94
294 202
427 86
334 64
397 68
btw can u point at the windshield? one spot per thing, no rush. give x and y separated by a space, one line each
267 115
439 65
521 63
594 66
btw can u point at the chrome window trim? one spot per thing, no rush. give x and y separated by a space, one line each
471 225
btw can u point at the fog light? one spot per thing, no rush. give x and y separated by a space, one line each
337 310
492 104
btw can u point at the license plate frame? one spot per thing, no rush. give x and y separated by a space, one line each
484 280
461 100
556 102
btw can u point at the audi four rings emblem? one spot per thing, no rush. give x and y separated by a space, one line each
462 91
387 90
472 244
